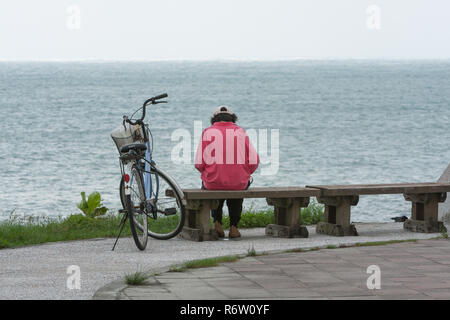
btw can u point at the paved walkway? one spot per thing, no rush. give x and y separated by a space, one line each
41 272
409 270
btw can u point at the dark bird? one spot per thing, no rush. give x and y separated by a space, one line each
400 219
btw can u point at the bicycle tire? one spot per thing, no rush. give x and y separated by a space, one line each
164 181
138 217
122 194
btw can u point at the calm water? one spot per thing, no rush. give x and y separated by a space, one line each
339 122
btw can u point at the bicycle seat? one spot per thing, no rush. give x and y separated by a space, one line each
133 146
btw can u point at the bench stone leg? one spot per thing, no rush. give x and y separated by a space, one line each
424 212
337 216
287 217
197 225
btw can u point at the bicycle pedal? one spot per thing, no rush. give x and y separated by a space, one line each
170 211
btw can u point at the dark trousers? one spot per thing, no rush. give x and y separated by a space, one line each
234 209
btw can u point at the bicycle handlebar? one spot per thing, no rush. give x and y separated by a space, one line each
161 96
152 100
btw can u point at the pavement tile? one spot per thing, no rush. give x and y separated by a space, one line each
437 293
313 282
296 269
198 293
285 261
440 275
362 297
351 276
194 282
341 268
399 291
213 270
275 283
295 293
265 269
175 275
154 296
232 283
422 285
430 268
443 261
342 291
408 260
245 293
405 297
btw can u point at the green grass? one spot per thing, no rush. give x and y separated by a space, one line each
204 263
358 244
381 243
251 252
254 219
251 219
136 279
295 250
18 232
313 214
15 233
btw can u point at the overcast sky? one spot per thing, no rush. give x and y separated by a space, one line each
227 29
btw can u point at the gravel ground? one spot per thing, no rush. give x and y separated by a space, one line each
40 272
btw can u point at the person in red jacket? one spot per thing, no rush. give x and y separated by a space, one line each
226 159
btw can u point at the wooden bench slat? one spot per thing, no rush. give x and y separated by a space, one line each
256 192
373 189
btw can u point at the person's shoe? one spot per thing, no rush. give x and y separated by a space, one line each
219 229
234 232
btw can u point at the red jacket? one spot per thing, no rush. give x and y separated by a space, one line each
225 157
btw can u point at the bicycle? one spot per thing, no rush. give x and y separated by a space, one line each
143 186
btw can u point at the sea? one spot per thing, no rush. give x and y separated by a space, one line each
316 122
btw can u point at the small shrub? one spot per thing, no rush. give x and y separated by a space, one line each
136 279
251 252
92 207
312 214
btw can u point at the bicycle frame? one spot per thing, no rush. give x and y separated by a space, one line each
146 173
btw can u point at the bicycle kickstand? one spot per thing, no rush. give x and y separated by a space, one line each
121 225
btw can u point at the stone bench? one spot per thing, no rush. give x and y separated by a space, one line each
286 201
338 200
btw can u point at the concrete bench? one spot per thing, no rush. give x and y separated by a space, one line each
338 200
286 201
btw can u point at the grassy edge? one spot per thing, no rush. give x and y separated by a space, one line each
357 244
204 263
28 231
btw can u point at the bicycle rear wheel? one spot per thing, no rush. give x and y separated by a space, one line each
135 205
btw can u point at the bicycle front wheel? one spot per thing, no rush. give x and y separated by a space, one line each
135 205
168 212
